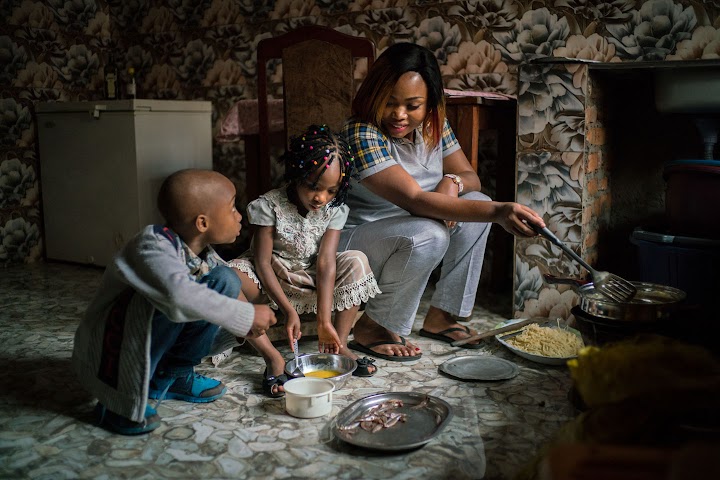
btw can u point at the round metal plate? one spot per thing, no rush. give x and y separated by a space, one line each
427 416
480 368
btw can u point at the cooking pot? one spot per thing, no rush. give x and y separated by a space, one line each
651 303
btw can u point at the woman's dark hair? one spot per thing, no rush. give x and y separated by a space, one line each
314 150
375 90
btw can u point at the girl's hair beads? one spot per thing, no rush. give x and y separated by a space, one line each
316 149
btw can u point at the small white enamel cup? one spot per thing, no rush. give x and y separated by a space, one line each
308 397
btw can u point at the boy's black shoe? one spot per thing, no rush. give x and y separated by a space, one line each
118 424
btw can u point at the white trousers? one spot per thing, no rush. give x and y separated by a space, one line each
403 252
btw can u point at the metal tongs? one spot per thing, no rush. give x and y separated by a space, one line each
612 286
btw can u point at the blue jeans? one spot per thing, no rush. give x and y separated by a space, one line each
175 348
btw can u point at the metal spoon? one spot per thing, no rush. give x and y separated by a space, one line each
296 371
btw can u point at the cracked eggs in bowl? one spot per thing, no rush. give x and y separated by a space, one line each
336 368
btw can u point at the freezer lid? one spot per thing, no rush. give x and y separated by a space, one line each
138 105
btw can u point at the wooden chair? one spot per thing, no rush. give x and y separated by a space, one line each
318 87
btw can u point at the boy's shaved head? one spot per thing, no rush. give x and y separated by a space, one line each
186 194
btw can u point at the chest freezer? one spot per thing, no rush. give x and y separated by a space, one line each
101 166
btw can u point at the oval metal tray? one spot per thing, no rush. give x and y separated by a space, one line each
422 425
480 368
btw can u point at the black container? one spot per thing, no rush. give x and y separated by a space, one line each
691 196
689 263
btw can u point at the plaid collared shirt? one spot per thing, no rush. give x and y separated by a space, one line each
371 144
200 266
375 151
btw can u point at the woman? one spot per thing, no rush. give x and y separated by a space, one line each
415 202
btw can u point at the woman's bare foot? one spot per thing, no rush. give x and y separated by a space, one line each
366 332
437 321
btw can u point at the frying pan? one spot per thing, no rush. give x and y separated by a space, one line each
651 303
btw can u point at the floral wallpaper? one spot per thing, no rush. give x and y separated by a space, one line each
560 137
57 50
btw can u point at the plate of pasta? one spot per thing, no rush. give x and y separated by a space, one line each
550 344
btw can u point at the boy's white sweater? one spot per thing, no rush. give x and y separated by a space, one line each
111 353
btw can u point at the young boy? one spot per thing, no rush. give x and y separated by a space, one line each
160 303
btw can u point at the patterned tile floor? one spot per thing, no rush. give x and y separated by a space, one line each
46 430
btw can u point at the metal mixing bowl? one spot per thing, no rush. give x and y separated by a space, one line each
310 362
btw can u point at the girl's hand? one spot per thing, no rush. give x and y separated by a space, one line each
328 339
292 326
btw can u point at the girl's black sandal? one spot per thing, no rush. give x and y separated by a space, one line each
363 367
270 381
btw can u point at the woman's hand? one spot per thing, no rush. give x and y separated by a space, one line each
292 326
513 217
328 339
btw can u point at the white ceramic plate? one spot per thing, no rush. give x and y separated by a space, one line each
531 356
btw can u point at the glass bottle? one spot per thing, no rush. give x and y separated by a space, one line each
131 85
111 79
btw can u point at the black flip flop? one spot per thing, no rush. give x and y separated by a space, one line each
392 358
447 339
363 367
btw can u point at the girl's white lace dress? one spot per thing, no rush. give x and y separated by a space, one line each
296 243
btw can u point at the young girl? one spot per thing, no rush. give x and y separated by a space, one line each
293 258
